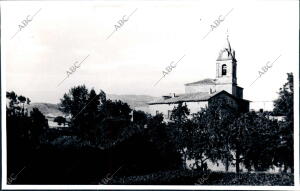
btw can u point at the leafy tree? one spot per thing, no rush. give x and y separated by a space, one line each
12 96
140 117
254 138
24 132
22 100
82 105
75 100
181 126
39 125
14 103
164 138
28 101
200 141
284 105
180 113
155 121
117 109
218 117
93 115
60 120
284 156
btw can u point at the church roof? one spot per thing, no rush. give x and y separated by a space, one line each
207 81
191 97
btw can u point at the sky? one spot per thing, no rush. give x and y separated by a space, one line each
36 60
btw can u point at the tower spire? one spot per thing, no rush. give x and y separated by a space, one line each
227 37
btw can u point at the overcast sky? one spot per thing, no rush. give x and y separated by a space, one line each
132 60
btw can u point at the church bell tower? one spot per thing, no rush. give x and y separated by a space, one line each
226 69
226 66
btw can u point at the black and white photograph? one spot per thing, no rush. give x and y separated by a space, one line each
171 94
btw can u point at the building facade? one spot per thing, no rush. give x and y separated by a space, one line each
200 93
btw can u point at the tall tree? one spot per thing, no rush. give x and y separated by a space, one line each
39 125
254 138
22 100
75 100
181 129
23 132
284 106
180 113
217 118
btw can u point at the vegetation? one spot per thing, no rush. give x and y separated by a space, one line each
105 135
60 120
188 177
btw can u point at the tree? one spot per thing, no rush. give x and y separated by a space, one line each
180 113
254 139
75 100
180 124
82 105
139 117
92 114
22 100
117 109
39 125
60 120
12 96
164 138
284 105
199 144
23 132
213 124
14 103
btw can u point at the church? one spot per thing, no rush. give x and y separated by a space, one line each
199 94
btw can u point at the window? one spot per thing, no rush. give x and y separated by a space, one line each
224 69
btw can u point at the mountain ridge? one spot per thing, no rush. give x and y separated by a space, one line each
138 102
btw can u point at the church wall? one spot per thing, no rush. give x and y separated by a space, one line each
229 100
230 88
240 105
226 87
199 88
161 108
167 108
196 106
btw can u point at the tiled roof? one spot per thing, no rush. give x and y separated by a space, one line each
192 97
205 81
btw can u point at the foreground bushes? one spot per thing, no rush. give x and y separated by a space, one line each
187 177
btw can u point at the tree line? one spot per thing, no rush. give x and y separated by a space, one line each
147 144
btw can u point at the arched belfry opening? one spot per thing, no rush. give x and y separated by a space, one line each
224 70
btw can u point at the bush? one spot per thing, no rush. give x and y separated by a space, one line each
189 177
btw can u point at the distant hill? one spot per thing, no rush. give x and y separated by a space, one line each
48 109
132 100
138 102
